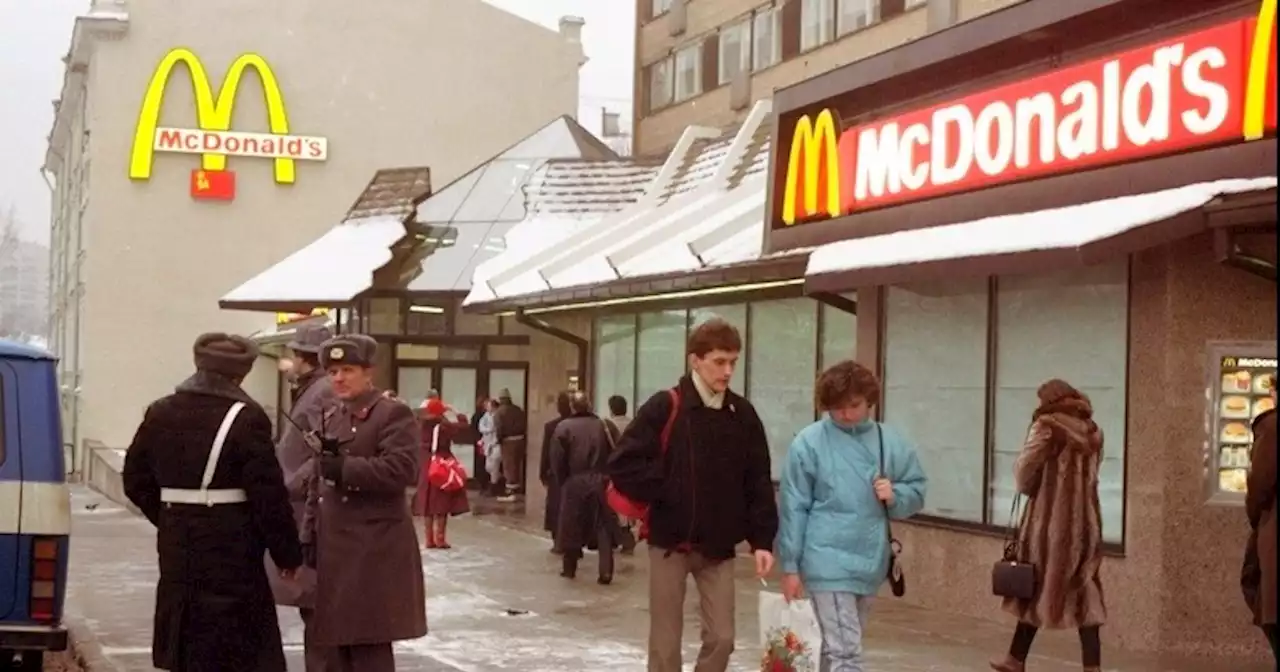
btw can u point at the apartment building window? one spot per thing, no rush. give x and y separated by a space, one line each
659 7
766 38
854 15
660 84
817 23
735 50
688 63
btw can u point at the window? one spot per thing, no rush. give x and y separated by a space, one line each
660 84
854 15
735 50
659 7
661 345
935 388
817 23
615 369
4 412
688 72
839 335
766 35
1071 325
781 363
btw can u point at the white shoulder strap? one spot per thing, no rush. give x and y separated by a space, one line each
435 439
211 465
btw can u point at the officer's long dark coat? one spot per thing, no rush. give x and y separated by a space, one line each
369 567
579 449
214 609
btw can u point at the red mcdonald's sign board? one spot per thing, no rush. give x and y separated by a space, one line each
1211 87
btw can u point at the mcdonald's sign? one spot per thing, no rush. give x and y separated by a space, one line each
1211 87
213 138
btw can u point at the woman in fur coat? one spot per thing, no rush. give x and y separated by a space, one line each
1061 531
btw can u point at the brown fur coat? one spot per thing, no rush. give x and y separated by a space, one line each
1061 532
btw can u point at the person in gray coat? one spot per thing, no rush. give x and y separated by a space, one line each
579 451
311 392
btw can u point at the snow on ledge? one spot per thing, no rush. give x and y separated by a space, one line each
1059 228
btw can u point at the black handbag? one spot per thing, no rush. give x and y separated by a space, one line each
1012 576
897 580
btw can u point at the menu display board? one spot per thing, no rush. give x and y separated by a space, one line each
1240 390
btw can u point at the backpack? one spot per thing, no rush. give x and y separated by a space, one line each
624 505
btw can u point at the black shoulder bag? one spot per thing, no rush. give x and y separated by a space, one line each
1012 576
897 581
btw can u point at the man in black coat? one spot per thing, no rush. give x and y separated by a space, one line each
551 511
203 469
697 454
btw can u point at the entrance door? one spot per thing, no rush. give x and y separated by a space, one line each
413 383
511 380
458 387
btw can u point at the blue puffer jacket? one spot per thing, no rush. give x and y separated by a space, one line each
834 531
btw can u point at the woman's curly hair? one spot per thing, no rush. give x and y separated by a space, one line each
843 382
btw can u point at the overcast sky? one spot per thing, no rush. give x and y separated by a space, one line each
35 34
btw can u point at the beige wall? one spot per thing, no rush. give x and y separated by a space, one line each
1177 588
390 83
657 133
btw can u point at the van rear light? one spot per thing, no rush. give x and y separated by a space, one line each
44 579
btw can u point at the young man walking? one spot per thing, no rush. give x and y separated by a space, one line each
709 488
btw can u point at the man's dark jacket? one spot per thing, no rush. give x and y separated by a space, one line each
713 489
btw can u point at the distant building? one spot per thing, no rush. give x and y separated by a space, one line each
168 195
24 289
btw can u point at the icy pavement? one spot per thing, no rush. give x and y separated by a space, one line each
496 603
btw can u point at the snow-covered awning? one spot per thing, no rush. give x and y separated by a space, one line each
329 272
1062 237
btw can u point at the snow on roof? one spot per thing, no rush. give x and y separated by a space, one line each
714 191
330 271
1059 228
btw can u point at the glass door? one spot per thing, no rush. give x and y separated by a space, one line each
412 384
458 387
511 380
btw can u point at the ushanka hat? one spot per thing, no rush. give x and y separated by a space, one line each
353 349
309 338
225 354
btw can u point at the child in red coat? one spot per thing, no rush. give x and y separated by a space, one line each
442 487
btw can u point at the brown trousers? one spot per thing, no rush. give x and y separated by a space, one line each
668 575
513 451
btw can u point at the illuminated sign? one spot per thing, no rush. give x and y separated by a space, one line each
1210 87
213 138
287 318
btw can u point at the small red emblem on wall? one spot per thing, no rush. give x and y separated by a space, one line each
213 185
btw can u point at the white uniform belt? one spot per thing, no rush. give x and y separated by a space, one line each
517 437
205 497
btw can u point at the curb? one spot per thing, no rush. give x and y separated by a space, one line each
85 647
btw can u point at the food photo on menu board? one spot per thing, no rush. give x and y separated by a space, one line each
1245 394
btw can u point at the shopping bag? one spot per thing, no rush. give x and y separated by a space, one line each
789 635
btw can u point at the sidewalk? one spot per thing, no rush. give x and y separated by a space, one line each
496 604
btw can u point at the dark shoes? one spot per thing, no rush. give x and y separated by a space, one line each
1008 664
604 580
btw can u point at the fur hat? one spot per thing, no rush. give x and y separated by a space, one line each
433 408
308 338
353 349
226 354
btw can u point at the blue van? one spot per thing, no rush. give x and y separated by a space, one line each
35 509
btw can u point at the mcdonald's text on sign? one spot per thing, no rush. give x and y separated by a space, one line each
1210 87
213 138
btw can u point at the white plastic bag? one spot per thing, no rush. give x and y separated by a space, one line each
789 632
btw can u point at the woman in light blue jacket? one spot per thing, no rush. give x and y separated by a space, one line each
836 501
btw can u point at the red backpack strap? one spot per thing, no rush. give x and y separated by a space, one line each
665 437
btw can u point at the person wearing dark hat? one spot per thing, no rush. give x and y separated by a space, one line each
369 584
203 470
511 424
311 393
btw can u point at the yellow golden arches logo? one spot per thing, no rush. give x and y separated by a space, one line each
213 140
1260 75
813 168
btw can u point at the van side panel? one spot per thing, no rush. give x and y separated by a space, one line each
10 490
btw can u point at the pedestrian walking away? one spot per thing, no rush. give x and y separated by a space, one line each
845 475
1060 534
310 393
579 449
358 529
202 468
697 456
551 511
511 423
442 488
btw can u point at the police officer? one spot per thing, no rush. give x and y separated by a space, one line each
369 590
203 470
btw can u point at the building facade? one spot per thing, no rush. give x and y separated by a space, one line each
705 61
24 288
153 222
972 213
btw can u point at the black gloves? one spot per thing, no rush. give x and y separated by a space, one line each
331 468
